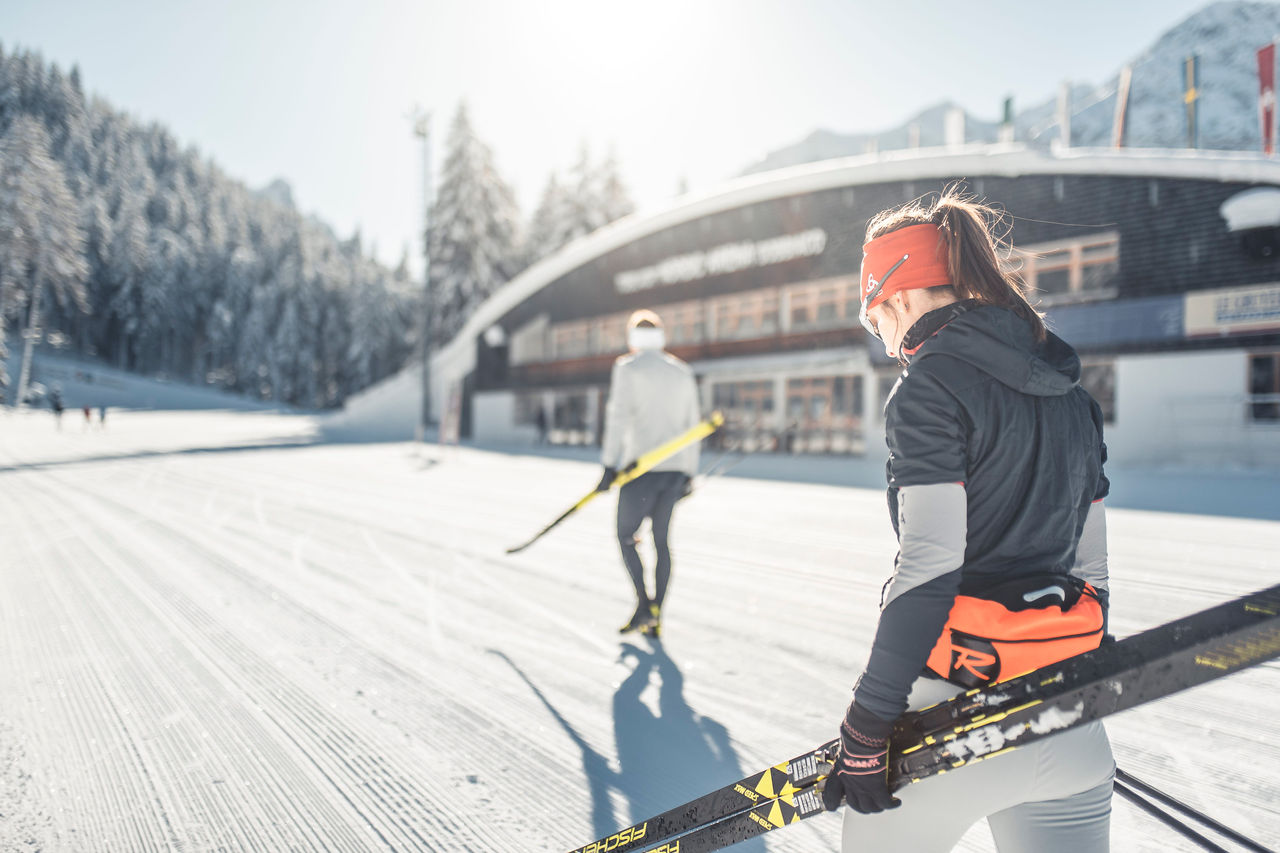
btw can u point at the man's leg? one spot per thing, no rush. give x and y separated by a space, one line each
664 503
634 500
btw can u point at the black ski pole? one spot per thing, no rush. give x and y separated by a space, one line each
1164 817
1156 794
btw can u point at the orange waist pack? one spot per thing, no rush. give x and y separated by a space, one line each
1017 626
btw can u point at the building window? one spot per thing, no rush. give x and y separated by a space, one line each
746 315
1099 379
572 418
748 412
1264 387
1070 270
825 414
609 335
823 305
529 343
571 340
684 324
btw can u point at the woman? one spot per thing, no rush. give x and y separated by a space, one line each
995 493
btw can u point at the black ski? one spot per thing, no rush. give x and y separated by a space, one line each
988 721
767 786
1156 663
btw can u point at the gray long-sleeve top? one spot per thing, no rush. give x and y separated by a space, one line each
653 398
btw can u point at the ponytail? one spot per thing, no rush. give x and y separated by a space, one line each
973 250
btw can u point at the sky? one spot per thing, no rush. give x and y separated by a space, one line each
320 93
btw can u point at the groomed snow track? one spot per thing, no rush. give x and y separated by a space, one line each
219 634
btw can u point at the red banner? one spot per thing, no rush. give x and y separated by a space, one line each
1267 96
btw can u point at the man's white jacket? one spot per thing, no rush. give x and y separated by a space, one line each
653 398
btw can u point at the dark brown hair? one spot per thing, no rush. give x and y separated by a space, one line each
973 249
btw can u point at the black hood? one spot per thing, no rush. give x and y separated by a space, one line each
997 342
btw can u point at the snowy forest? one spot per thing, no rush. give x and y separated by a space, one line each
119 244
476 242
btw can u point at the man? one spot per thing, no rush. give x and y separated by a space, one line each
653 398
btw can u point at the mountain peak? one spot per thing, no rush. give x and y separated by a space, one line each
1225 35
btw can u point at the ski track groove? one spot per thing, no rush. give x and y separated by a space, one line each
348 763
466 718
173 757
729 701
89 745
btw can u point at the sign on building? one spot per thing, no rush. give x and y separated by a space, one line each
1233 311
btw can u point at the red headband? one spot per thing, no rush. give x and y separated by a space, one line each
907 259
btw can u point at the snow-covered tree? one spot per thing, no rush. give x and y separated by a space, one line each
183 270
615 200
41 242
473 234
592 196
552 222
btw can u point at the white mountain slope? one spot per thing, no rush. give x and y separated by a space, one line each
1225 36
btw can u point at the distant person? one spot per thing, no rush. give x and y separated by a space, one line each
540 420
996 484
88 417
653 398
55 403
102 417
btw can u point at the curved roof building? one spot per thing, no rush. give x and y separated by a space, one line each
1161 267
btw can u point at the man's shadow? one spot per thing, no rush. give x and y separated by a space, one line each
667 754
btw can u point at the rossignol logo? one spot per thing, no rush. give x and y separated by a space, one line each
973 661
626 836
748 793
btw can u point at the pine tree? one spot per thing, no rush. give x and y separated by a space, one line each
186 271
584 191
41 242
615 201
473 235
592 197
551 225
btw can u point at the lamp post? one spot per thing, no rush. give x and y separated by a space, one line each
422 130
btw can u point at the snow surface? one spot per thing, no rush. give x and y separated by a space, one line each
218 631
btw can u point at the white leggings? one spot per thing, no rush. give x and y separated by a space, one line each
1051 796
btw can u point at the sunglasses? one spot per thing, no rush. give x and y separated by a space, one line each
872 292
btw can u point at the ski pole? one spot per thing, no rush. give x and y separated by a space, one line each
1164 817
642 464
1156 794
718 468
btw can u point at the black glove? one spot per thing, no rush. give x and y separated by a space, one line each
610 474
861 773
686 488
